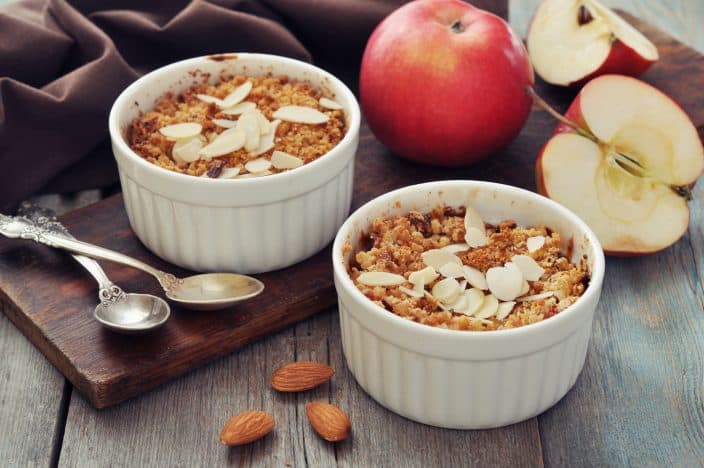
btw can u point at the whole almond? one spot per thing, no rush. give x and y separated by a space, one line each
247 427
300 376
329 421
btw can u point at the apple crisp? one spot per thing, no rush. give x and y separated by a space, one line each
449 269
239 127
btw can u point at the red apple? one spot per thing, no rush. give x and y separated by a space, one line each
442 82
573 41
624 159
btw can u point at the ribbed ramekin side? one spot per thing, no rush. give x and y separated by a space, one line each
250 239
461 394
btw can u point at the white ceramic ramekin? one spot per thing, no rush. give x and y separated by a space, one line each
461 379
248 225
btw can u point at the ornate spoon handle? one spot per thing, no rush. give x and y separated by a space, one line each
23 228
45 218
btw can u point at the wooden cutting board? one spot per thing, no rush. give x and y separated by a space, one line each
50 298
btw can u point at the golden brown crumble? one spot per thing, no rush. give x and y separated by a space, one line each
305 141
395 245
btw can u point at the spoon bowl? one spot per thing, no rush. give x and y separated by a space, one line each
133 313
214 291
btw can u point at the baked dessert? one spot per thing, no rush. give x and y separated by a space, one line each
238 127
448 268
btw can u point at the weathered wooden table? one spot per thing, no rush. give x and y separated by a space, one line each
639 400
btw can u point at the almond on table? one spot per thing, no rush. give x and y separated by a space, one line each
301 376
329 421
449 269
247 427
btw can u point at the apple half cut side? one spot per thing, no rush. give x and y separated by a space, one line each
624 158
572 41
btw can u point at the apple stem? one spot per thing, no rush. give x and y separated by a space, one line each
457 27
683 191
561 118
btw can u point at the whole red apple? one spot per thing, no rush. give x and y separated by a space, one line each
443 82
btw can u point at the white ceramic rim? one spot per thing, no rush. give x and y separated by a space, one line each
262 183
393 320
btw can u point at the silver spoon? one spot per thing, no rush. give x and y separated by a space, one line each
209 291
119 311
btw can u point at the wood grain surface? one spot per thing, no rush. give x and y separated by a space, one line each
50 298
640 389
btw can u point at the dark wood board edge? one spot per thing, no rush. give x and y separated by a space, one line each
109 392
102 393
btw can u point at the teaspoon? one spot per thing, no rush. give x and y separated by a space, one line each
119 311
209 291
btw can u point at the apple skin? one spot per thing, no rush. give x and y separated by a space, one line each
622 60
574 113
441 97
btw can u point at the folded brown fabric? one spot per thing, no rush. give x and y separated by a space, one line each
63 64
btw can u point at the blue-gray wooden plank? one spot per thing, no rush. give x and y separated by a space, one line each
639 399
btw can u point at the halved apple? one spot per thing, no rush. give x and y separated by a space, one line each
572 41
624 159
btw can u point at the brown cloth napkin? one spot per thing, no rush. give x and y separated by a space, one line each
63 64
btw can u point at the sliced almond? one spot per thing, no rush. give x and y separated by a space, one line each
504 282
489 307
380 278
411 292
186 150
264 124
210 99
535 243
454 248
258 165
525 288
236 96
250 175
451 270
476 237
475 298
240 108
504 309
536 297
437 257
425 276
181 130
266 142
224 123
446 290
529 267
472 219
229 173
459 304
227 142
249 124
475 277
419 287
329 103
300 114
281 160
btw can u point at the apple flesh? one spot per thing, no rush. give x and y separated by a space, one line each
573 41
442 82
624 159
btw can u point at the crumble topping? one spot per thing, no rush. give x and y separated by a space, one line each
239 127
442 269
